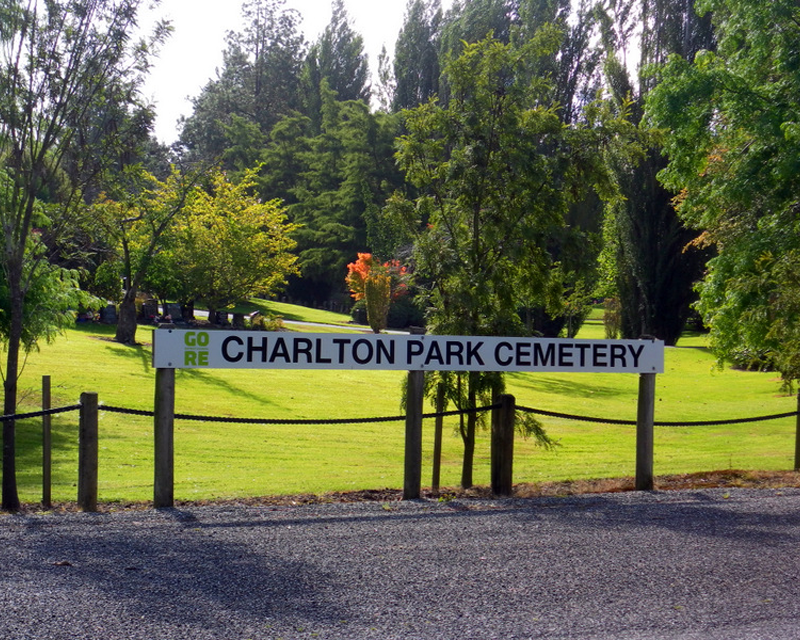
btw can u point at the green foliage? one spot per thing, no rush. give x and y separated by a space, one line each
53 295
259 83
137 214
416 55
68 71
228 246
107 282
266 322
650 264
345 174
733 159
612 318
340 58
497 171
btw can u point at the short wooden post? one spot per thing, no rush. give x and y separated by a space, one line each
502 448
797 436
47 446
412 479
164 428
645 420
437 438
87 453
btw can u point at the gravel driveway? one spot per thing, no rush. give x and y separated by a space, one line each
712 564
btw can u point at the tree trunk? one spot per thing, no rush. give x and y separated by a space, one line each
187 310
10 501
469 438
126 323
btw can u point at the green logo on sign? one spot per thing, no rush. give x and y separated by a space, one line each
196 353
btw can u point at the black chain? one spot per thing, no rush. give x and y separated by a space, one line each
554 414
187 416
274 421
659 423
36 414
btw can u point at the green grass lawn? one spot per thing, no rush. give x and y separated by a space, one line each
230 460
294 313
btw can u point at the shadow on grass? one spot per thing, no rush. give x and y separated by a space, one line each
64 445
204 377
95 328
582 387
143 353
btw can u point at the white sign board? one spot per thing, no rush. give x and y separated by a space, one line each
215 349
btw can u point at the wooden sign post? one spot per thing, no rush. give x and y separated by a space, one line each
412 474
645 419
164 463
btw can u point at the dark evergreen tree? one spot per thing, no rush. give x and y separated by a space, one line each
656 264
339 58
416 55
344 174
259 83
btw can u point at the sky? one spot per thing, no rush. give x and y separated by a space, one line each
193 53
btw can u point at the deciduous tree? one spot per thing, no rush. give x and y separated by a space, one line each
229 246
137 215
59 62
497 171
732 119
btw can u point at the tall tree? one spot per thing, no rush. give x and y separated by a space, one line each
656 264
259 82
732 119
59 61
575 65
497 171
416 54
573 70
338 57
348 171
469 21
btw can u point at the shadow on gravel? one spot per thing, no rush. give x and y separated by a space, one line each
601 566
693 513
180 573
697 513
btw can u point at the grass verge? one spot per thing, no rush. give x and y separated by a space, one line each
218 461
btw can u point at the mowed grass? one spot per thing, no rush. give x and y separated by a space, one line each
224 460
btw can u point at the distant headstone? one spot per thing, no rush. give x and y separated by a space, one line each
108 315
173 310
149 310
